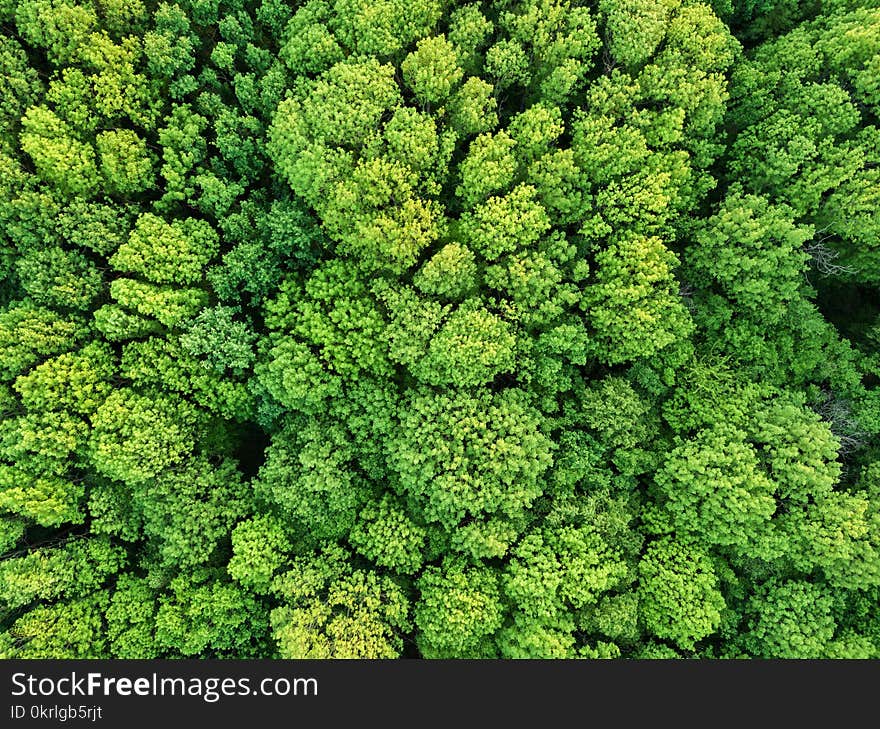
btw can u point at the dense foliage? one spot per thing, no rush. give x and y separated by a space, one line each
377 328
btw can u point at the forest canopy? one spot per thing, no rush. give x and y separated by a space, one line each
440 329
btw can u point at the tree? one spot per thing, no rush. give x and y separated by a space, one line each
790 620
72 629
460 455
125 163
20 87
75 381
221 341
28 333
432 70
201 614
188 514
753 253
555 574
260 548
62 160
330 610
135 436
505 223
60 278
458 612
385 534
633 306
130 619
713 487
166 253
679 595
309 473
74 569
635 29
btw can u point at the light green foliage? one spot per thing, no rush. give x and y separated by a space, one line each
370 205
117 324
505 223
38 491
461 455
385 534
790 620
68 630
551 47
310 46
135 437
411 137
458 612
61 159
801 451
46 439
383 28
713 487
473 107
168 304
560 185
119 90
28 333
331 610
634 306
166 253
204 616
342 108
555 574
507 64
763 487
157 362
296 378
220 340
58 26
188 514
471 348
74 569
753 253
73 100
337 316
635 28
377 217
309 474
111 510
125 163
12 529
807 112
451 273
535 131
183 147
169 48
537 284
58 277
93 226
75 381
469 31
622 421
19 87
260 548
679 593
131 619
124 16
489 167
432 70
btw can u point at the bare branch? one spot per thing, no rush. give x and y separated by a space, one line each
823 258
